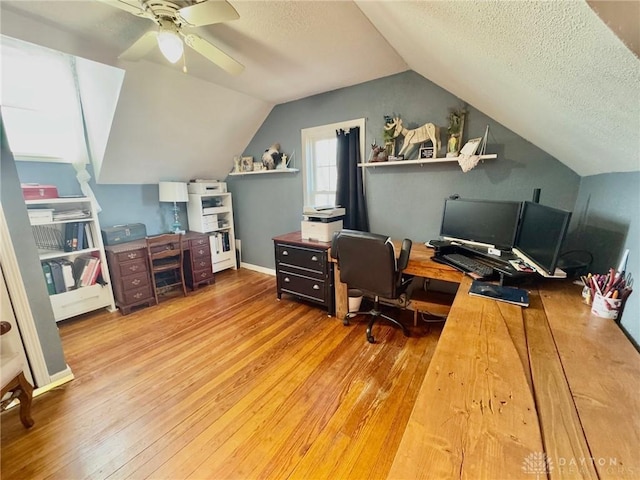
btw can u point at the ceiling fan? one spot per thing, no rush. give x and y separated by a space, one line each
171 17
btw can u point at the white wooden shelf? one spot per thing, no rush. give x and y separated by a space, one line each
421 161
262 172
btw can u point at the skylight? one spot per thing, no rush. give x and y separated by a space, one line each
56 107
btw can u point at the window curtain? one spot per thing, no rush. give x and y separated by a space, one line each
349 188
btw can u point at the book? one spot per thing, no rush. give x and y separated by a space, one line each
67 273
58 276
517 296
46 269
81 242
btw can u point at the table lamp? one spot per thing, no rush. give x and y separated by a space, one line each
174 192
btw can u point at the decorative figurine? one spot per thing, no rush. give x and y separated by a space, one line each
271 156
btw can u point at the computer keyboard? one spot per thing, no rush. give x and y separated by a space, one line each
468 264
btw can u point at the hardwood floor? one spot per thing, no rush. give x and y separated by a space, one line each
226 383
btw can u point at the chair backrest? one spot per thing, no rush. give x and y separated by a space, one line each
368 261
165 251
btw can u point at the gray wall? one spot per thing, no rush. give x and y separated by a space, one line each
607 215
24 245
403 201
120 203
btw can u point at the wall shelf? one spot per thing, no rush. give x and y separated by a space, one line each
420 161
263 172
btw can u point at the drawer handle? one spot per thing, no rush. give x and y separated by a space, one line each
316 287
286 280
138 295
204 275
314 259
285 253
136 282
201 251
202 264
132 255
133 268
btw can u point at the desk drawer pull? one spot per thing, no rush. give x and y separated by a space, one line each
314 259
316 287
286 280
136 282
285 253
132 255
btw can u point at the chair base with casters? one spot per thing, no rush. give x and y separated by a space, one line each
376 314
14 381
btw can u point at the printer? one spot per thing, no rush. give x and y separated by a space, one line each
203 187
320 223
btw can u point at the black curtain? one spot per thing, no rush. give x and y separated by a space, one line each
349 190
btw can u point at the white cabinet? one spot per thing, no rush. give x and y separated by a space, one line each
212 213
71 251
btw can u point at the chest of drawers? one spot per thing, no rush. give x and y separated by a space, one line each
303 269
130 275
197 262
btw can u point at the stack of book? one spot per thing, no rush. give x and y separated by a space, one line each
61 275
221 243
78 236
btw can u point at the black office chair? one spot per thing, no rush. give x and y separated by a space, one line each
367 262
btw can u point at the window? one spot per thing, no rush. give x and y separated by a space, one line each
40 106
319 145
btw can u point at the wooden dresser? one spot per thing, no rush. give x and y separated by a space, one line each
303 269
130 275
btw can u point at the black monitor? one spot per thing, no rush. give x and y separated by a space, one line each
541 233
491 222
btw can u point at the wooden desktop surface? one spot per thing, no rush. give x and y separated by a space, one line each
508 384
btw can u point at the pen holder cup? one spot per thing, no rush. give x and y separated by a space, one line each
604 307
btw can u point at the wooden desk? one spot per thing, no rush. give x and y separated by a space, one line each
507 384
420 264
130 275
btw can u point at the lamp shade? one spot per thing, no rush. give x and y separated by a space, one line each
173 192
170 44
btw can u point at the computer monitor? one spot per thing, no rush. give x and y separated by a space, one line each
541 234
489 222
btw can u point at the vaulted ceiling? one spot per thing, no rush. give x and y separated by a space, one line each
561 74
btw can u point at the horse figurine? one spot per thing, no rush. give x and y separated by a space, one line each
426 132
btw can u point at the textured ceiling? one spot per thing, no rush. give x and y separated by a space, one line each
553 72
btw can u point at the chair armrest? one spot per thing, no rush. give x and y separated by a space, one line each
403 259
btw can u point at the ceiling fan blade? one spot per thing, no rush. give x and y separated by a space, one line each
214 54
141 47
208 12
131 6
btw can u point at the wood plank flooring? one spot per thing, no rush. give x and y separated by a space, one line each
226 383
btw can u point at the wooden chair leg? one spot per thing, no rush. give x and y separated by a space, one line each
25 395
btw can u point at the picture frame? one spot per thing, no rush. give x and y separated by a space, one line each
426 152
247 164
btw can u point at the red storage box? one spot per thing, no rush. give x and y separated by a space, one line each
35 191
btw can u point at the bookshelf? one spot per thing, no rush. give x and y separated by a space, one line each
71 252
212 213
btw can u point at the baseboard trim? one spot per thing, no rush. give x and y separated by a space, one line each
57 379
258 268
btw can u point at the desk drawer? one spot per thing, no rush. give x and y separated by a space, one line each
137 280
303 286
135 295
130 255
200 242
123 269
306 258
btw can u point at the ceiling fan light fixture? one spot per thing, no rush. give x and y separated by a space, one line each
170 45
